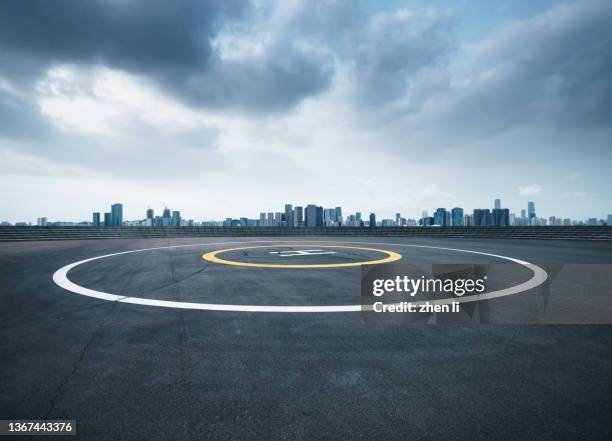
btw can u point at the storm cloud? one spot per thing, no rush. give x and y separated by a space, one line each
554 69
169 42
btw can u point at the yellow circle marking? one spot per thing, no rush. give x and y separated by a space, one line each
212 257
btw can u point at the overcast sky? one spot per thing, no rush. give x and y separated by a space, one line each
226 109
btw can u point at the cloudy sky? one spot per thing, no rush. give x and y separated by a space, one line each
223 108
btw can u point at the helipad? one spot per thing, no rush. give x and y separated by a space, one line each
213 257
61 275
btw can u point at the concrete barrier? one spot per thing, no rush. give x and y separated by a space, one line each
84 233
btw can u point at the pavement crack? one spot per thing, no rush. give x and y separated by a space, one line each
75 365
175 280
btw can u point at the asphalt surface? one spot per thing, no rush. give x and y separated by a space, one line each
127 371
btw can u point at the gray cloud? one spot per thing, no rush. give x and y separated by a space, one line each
555 70
19 119
396 48
385 50
274 81
170 42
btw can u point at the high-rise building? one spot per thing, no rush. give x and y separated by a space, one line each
457 217
531 213
358 217
372 220
339 215
482 217
176 218
329 216
278 219
398 217
270 219
497 204
298 216
150 214
440 217
166 219
426 221
117 215
501 217
310 216
42 221
319 217
108 220
351 221
95 221
610 219
288 215
262 219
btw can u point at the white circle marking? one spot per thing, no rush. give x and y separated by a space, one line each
60 277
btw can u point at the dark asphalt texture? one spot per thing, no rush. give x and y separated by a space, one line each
129 372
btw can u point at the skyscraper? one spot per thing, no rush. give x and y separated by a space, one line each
427 221
339 214
329 216
117 215
288 215
176 218
501 217
457 216
482 217
319 217
270 219
96 219
440 217
497 204
310 216
610 219
262 219
531 213
398 216
108 220
150 214
298 214
166 217
372 220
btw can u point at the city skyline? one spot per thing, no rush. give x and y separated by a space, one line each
312 215
227 108
132 213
